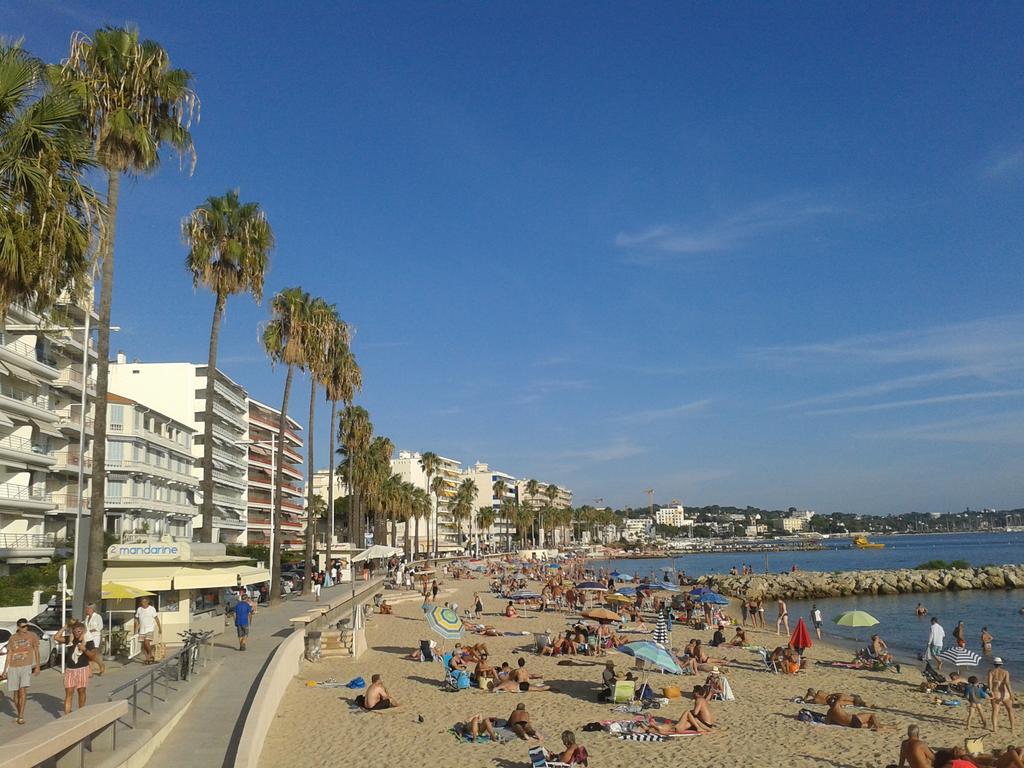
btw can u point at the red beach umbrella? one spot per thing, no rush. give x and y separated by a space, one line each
801 638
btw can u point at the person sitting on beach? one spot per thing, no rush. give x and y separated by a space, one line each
510 611
417 655
836 715
791 661
879 650
571 755
377 696
740 638
845 699
519 723
914 753
484 670
718 638
472 728
456 662
688 721
705 662
384 607
519 680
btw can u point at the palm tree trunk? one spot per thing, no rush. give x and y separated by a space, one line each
408 544
416 541
307 586
206 527
94 567
330 483
275 568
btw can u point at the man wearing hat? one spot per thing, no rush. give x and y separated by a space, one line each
1000 691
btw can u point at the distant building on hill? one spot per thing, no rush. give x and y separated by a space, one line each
674 515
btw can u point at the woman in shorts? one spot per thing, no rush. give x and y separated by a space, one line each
78 653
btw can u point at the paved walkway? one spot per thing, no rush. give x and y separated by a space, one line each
208 733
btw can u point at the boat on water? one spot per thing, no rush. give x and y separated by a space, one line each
861 542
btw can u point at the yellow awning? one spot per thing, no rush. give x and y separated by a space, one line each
150 579
204 578
251 574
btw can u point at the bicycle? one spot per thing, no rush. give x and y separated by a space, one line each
189 655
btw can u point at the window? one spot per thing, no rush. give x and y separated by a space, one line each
115 489
205 600
115 450
138 421
117 416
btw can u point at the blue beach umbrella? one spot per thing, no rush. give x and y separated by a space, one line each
591 585
698 591
653 654
628 591
714 598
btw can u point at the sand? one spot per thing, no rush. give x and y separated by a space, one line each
318 727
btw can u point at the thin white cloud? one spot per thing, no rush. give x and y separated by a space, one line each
1005 164
923 401
663 414
538 390
730 231
613 451
1003 429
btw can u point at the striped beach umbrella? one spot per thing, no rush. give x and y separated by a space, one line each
960 657
661 630
592 586
653 654
444 621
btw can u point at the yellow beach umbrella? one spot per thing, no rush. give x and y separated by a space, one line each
617 598
114 591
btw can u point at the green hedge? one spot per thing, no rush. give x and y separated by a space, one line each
939 565
17 588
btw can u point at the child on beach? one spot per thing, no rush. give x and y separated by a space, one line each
974 693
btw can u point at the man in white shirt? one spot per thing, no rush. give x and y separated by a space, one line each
147 621
94 634
936 638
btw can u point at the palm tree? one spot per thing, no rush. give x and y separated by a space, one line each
47 213
421 508
321 325
462 509
342 380
439 486
134 104
522 515
229 247
354 433
485 517
508 513
283 339
377 470
429 463
551 493
532 490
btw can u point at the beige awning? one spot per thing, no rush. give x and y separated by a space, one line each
204 578
49 429
19 373
152 579
251 574
5 421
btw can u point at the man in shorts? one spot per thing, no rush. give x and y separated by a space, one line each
816 619
243 620
21 663
147 622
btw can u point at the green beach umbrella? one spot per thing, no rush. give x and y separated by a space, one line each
856 619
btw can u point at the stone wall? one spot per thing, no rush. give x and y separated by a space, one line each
815 584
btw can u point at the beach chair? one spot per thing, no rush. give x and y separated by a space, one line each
624 692
766 659
427 651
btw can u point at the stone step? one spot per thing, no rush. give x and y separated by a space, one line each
333 653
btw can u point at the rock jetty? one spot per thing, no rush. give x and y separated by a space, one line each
815 584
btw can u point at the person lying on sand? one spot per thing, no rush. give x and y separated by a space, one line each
699 718
377 696
476 725
845 699
836 715
519 680
519 723
914 753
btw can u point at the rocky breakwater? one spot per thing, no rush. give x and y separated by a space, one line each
815 584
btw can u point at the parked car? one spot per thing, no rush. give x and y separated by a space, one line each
49 654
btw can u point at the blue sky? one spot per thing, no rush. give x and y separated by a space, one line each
755 254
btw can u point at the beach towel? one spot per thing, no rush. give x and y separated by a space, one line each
642 737
483 738
727 694
810 716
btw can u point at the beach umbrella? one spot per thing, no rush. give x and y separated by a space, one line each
801 638
660 586
661 630
615 597
698 591
593 586
114 591
856 619
960 657
600 614
714 598
628 591
524 594
653 654
444 621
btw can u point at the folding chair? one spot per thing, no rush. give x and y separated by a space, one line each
624 692
766 659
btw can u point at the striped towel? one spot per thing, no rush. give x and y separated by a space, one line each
642 737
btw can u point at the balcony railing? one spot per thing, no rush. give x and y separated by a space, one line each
23 445
71 376
39 401
24 493
28 540
68 502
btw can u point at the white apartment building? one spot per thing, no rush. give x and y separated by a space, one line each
674 515
407 466
151 486
790 524
637 528
321 486
179 391
264 454
484 477
41 387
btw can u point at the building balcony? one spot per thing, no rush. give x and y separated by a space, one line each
22 449
144 504
27 356
26 404
70 377
270 424
133 467
70 419
14 546
148 435
24 498
233 502
67 503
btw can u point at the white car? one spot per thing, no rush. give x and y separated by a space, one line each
48 653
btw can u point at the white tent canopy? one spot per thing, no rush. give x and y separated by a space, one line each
375 552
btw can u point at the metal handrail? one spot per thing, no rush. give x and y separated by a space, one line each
157 672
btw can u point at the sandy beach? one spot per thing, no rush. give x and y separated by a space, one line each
319 727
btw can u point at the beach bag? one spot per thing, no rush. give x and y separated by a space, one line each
646 694
361 701
462 680
727 694
672 692
356 682
809 716
974 746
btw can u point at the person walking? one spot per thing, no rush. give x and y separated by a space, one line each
21 662
94 634
243 620
147 624
318 582
434 590
936 639
816 619
78 654
1001 693
783 620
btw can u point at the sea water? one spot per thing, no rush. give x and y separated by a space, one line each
898 625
